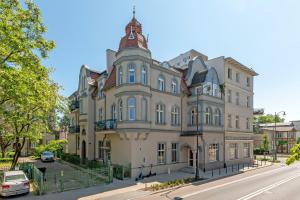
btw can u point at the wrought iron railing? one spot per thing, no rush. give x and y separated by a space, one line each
106 125
74 129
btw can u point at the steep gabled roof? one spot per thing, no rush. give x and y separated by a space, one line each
111 80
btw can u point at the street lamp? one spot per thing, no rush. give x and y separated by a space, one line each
274 137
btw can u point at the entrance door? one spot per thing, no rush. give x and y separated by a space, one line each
83 150
191 161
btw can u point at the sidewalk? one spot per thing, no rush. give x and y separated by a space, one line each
132 189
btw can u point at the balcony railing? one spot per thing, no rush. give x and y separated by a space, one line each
74 129
106 125
74 105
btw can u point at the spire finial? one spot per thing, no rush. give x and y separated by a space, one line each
133 12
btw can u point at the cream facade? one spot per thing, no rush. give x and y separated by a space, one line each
147 114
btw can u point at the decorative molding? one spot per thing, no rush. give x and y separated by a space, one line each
128 93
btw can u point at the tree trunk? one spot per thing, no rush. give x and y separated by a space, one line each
3 152
18 149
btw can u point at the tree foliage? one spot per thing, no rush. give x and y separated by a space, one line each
265 143
28 97
54 146
295 155
269 118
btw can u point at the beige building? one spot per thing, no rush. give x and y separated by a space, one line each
140 112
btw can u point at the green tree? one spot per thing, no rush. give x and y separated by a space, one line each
265 144
29 99
269 118
295 155
55 146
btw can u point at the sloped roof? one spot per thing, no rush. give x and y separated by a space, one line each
111 80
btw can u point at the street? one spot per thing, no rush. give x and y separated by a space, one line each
265 184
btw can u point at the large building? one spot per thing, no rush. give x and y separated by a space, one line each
142 112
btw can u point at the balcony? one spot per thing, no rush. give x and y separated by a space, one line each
74 129
74 105
110 124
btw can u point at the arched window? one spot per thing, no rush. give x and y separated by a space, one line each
174 86
208 116
161 83
175 115
120 78
160 112
144 109
131 108
144 75
217 117
131 73
120 110
194 116
113 112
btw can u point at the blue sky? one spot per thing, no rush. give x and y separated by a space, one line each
263 35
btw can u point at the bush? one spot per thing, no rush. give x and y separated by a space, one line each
72 158
169 184
54 146
5 160
10 154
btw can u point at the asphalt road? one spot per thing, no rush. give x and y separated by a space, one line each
276 183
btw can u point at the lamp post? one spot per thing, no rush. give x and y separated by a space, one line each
274 137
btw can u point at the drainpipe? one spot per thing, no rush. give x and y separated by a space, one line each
94 128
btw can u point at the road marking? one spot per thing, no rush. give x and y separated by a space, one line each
229 183
260 191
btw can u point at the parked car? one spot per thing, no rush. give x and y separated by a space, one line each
14 183
47 156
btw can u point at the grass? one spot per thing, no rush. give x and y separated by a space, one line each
170 184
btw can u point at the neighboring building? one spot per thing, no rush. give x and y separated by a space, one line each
297 127
29 146
284 137
141 112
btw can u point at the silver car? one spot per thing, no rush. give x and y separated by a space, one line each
14 183
47 156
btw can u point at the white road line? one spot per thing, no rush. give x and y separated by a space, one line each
260 191
229 183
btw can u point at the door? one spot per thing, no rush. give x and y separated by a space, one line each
191 161
83 150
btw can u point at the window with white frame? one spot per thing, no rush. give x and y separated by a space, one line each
120 78
237 77
131 108
160 114
144 75
174 87
175 152
237 121
237 98
246 150
208 116
217 117
100 150
213 152
113 112
229 121
175 115
194 116
229 73
233 151
198 90
161 153
131 73
144 109
229 96
161 83
120 110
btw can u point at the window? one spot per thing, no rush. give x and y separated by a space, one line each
175 152
144 75
113 112
248 123
198 90
237 122
161 153
248 101
248 81
100 150
160 114
174 87
161 83
246 150
100 114
81 106
120 75
100 90
229 96
131 108
144 109
131 73
233 151
237 77
237 98
229 121
208 116
213 152
229 73
120 110
217 117
194 116
175 115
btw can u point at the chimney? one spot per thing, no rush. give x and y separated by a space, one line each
110 59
